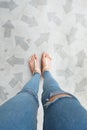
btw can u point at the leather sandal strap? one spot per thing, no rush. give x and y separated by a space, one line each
35 68
46 67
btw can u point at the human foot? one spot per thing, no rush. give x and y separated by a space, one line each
34 64
45 62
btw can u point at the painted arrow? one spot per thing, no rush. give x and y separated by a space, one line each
61 52
8 27
71 36
9 5
3 95
80 87
80 58
14 60
1 69
81 19
18 77
20 41
68 6
52 17
38 3
43 38
31 21
66 73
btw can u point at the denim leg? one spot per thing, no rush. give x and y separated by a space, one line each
20 112
65 113
32 86
50 88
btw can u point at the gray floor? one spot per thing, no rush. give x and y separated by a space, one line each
56 26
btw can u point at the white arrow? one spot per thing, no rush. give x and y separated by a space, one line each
8 27
14 60
20 41
18 77
71 36
43 38
81 85
3 95
31 21
67 73
60 51
52 17
37 3
81 57
9 5
81 19
68 6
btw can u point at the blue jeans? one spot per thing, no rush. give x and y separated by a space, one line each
20 112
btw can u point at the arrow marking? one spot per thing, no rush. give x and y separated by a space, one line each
68 6
14 60
17 77
67 73
3 95
80 87
71 36
43 38
20 41
9 5
80 18
31 21
8 27
81 57
38 3
52 17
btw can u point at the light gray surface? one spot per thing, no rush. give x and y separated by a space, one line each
56 26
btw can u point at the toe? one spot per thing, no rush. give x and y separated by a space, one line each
30 62
31 59
35 56
44 54
49 56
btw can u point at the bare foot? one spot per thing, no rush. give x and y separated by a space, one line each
34 64
45 62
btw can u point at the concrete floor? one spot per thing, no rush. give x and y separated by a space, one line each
56 26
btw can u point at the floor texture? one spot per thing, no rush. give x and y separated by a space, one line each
33 26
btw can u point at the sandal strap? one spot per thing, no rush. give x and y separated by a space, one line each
46 67
35 68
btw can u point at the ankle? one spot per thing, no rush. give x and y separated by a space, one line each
45 72
37 73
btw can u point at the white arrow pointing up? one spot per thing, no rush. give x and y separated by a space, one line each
8 27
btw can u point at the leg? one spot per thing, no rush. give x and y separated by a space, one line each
20 112
51 89
62 111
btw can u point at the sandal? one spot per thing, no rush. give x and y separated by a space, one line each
36 70
34 65
46 67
